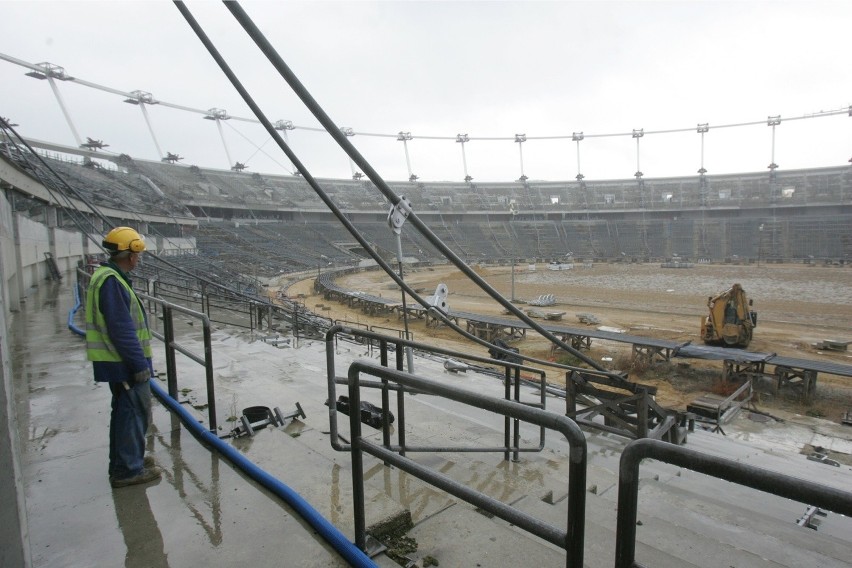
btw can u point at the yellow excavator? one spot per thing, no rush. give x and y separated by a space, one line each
730 320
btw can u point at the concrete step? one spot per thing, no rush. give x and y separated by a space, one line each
460 536
763 519
326 483
599 534
687 528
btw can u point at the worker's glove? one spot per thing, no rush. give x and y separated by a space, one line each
142 376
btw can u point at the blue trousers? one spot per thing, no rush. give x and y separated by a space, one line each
128 425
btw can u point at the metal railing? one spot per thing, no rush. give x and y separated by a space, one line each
167 309
814 494
571 539
511 379
172 347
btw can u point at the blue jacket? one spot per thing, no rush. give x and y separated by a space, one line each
115 305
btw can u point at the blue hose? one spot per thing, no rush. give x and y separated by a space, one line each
332 535
329 532
73 312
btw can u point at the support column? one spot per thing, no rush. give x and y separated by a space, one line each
18 277
50 221
10 291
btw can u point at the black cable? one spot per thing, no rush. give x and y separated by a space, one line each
208 44
72 190
272 55
90 230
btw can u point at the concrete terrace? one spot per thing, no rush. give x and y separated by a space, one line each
205 512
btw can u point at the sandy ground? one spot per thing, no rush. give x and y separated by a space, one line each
797 305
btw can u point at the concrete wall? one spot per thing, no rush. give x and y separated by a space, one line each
68 249
8 264
23 248
14 543
33 239
24 242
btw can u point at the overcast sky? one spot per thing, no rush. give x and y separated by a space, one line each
488 69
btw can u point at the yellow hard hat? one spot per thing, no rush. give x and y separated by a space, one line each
122 239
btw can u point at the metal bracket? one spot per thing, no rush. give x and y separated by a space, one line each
398 214
439 299
273 418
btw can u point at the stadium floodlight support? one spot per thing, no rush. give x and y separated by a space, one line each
637 134
404 137
49 71
464 139
577 137
218 115
349 132
773 121
702 130
143 98
520 139
284 126
513 211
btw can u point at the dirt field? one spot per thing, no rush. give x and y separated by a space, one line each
797 305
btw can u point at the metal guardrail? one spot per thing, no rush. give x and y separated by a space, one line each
167 309
172 346
224 307
813 494
511 380
571 539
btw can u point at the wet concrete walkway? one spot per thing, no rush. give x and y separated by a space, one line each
202 512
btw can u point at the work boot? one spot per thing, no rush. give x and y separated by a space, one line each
144 476
148 462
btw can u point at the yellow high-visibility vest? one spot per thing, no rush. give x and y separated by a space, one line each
99 347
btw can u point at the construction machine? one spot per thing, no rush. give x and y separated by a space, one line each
730 320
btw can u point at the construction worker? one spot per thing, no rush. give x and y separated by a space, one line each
118 342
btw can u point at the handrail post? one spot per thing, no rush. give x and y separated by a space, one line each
205 300
516 441
507 422
296 323
400 402
575 536
208 371
168 340
570 394
358 505
386 439
155 293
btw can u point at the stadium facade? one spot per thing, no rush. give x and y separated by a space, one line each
261 220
